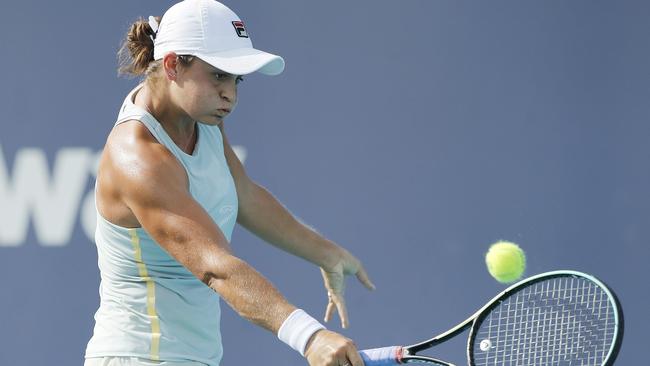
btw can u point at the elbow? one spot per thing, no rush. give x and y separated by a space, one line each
217 271
208 278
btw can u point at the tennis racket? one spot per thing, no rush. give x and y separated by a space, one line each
554 318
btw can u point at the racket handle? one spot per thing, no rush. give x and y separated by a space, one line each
385 356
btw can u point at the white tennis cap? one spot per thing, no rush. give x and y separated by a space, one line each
214 33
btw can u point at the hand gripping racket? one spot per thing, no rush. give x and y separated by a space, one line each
554 318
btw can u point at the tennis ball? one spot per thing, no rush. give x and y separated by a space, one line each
505 261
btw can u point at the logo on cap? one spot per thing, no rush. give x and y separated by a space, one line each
240 29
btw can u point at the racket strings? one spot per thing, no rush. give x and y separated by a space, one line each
560 321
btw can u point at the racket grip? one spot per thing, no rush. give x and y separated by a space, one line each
385 356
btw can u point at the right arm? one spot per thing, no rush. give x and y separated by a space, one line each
154 186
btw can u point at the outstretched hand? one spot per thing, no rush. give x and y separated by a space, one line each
334 279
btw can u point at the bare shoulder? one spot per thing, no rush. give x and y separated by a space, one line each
134 167
134 153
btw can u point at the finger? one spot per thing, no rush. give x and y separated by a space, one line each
364 279
354 357
343 312
329 311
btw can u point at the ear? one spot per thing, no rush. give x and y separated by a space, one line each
170 65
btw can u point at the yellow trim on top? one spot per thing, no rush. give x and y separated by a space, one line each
151 296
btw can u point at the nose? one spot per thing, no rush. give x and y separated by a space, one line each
229 91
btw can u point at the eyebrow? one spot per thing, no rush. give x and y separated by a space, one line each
214 70
218 71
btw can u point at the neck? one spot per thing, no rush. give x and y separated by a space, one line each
178 125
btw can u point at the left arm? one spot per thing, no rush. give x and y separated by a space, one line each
262 214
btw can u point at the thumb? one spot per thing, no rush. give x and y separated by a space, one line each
364 279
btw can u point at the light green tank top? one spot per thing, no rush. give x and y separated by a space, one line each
151 306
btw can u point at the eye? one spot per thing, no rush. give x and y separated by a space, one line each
224 76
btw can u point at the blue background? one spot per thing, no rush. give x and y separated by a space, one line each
413 133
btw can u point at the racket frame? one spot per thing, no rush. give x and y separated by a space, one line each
409 352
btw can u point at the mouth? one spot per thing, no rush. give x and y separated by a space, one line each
222 112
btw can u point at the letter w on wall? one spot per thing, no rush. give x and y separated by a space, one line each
53 202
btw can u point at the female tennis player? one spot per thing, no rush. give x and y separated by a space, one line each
168 193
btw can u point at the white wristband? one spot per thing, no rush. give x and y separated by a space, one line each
297 329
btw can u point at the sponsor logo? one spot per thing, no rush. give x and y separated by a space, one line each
240 28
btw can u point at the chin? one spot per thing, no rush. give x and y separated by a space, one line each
211 120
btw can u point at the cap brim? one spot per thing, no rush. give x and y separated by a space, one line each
244 61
